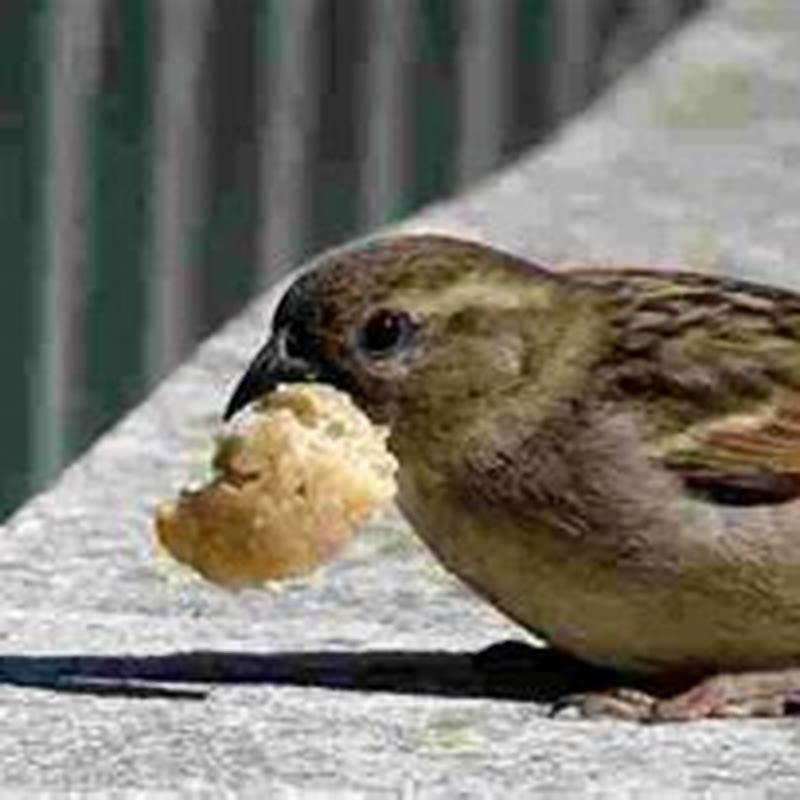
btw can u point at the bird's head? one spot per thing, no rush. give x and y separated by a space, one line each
405 323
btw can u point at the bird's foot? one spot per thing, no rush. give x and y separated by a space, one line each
735 695
616 703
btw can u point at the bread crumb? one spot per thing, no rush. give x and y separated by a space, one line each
292 482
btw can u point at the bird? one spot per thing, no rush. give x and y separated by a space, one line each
610 455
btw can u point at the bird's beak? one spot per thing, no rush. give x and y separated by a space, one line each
271 366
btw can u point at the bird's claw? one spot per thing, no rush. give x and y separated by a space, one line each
617 703
767 694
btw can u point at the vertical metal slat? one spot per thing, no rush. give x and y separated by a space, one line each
71 85
435 103
658 17
120 191
178 180
575 38
22 76
334 206
226 249
484 89
645 23
385 107
286 137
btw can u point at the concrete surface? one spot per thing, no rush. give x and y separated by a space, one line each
361 683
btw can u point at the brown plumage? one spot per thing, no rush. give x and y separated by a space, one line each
610 456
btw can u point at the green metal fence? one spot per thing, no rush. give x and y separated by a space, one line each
162 160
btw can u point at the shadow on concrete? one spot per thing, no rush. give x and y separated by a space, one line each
507 670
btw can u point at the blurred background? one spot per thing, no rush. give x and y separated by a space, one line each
161 161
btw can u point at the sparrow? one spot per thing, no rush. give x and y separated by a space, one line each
610 456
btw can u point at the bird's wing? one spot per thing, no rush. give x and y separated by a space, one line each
713 366
741 460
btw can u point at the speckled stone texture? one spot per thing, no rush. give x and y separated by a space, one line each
360 683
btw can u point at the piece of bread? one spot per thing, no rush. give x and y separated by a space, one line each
291 485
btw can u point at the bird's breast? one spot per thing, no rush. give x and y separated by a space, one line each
695 589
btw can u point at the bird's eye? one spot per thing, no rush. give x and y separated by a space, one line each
385 332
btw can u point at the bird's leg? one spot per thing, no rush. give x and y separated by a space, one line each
727 695
745 694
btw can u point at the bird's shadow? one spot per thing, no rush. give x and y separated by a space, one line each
507 670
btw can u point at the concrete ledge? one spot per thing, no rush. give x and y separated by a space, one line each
694 159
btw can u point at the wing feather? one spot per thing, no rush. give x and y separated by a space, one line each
713 367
